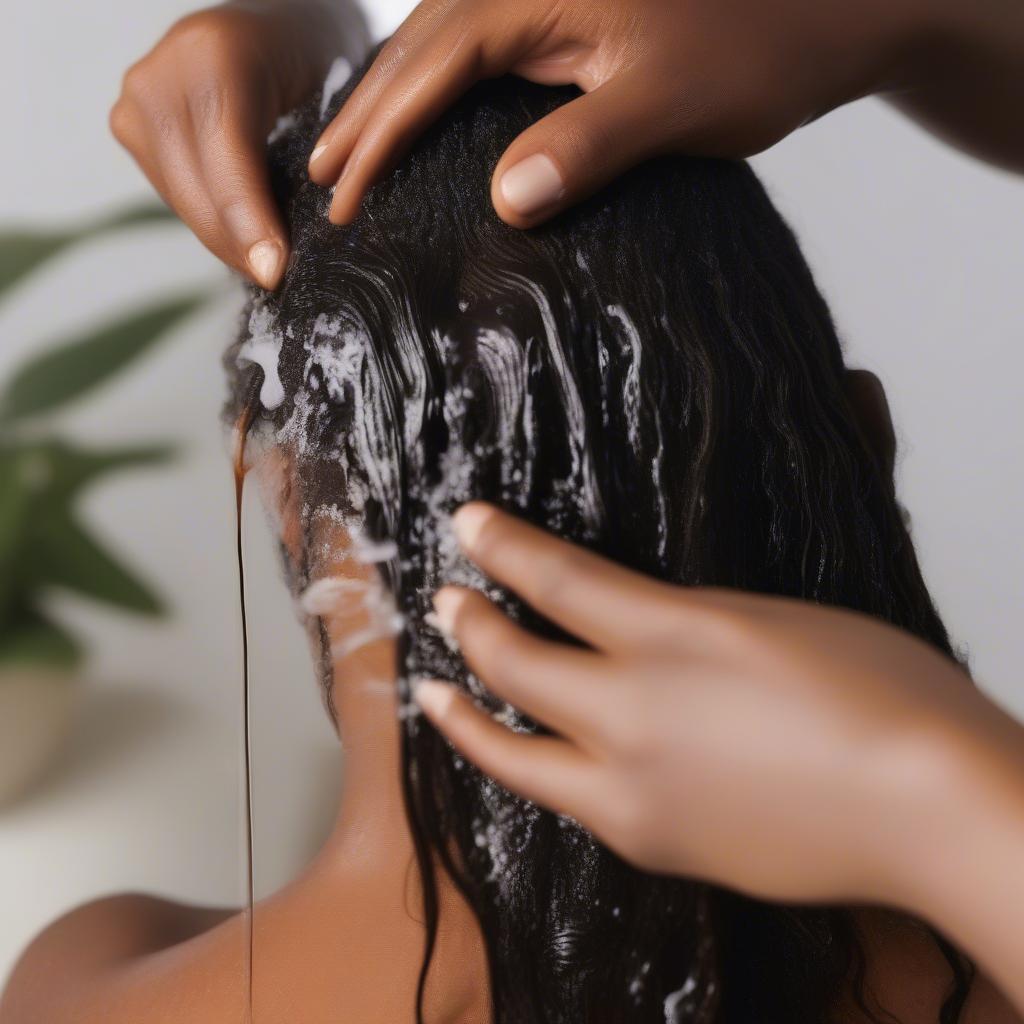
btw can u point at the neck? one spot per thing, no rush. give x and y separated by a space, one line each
371 823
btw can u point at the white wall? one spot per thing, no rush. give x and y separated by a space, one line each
918 249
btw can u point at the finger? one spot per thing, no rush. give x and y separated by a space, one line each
336 141
428 83
606 605
173 168
576 150
170 161
543 769
236 184
132 130
565 688
164 147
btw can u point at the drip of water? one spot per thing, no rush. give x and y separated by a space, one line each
239 469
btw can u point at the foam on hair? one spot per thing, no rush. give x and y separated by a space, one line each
654 375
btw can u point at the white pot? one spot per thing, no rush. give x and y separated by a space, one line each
36 705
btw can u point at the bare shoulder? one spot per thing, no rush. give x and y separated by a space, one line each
76 963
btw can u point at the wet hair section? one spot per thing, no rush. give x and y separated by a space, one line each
654 375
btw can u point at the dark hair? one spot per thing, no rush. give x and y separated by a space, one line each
654 375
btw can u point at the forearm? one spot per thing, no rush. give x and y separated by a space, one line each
964 77
967 872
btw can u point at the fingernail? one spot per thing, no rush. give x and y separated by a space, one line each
317 153
265 260
532 184
447 602
469 521
433 696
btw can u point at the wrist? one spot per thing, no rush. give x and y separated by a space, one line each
905 44
877 46
938 38
962 842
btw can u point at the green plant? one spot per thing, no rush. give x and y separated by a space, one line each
43 545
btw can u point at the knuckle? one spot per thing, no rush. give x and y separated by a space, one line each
462 33
210 30
121 122
135 82
142 106
428 15
165 124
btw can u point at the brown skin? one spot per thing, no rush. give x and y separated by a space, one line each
816 754
699 76
343 942
731 78
195 113
720 77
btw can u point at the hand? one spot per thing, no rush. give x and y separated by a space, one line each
701 76
791 751
195 113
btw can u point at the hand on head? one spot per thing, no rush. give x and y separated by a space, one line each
196 110
658 76
792 751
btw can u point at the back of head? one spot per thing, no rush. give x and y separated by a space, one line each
654 375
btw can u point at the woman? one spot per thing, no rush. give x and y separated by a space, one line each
653 375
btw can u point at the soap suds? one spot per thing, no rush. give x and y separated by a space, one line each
675 1001
263 347
330 593
285 123
393 438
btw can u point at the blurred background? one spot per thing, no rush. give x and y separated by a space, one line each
120 752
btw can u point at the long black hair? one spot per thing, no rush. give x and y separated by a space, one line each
653 374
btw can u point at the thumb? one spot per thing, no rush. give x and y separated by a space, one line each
574 151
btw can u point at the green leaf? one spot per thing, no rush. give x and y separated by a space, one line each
71 469
67 556
14 518
14 501
34 639
39 482
74 367
130 216
22 251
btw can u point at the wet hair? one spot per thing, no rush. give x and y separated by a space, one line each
653 375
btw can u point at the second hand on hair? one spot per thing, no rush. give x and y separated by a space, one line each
791 751
694 76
